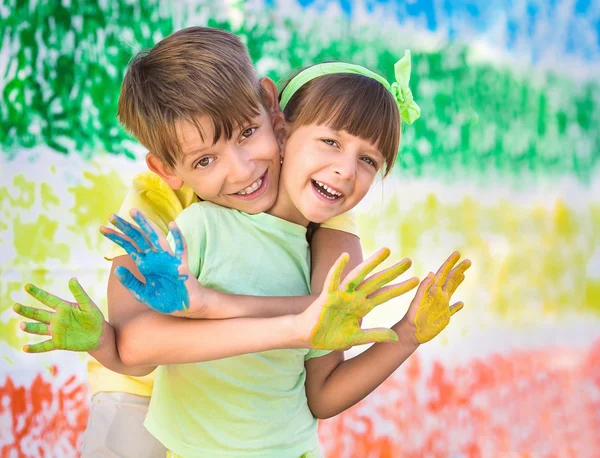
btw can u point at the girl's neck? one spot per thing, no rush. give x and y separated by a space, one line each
285 209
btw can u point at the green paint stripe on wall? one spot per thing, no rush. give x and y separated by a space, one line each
65 67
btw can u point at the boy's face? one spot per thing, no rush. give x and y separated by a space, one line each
240 173
325 173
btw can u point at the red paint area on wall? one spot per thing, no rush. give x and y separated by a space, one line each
43 419
543 404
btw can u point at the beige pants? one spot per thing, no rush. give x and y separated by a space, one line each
116 428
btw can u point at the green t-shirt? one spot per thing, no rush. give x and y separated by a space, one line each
251 405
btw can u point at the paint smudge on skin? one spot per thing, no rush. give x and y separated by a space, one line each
42 419
541 403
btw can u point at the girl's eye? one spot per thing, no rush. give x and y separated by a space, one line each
204 162
248 132
369 161
330 142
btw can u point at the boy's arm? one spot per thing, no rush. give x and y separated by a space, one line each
75 326
333 386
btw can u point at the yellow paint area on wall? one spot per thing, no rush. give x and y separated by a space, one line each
529 260
95 200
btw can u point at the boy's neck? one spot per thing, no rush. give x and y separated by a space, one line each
285 209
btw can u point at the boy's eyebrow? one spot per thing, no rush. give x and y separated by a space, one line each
193 151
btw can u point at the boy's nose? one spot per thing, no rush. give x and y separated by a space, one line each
241 167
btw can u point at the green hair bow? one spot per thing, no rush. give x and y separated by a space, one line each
409 110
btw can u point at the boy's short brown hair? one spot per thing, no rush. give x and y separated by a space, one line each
360 105
193 72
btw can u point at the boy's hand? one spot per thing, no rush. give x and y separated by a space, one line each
170 287
430 311
333 320
72 326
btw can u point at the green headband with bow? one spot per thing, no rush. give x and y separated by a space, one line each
409 110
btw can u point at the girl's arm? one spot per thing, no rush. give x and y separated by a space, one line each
333 386
176 291
326 246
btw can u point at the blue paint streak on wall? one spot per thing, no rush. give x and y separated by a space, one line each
522 19
581 6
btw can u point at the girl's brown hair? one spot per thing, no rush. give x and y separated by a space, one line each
351 102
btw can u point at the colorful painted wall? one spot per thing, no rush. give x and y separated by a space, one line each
503 165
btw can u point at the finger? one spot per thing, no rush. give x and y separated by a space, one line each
156 237
453 283
129 281
32 313
44 297
445 269
180 244
382 278
374 336
456 307
392 291
41 347
360 272
134 233
456 276
335 273
79 294
423 289
35 328
122 240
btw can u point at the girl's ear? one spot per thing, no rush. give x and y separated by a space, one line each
156 164
272 95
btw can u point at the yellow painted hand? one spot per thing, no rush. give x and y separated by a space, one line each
340 307
430 310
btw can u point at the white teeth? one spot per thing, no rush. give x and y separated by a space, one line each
331 191
328 189
250 189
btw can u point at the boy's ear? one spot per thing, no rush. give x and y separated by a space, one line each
156 164
272 95
280 129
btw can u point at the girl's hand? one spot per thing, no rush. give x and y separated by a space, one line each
430 311
170 287
332 322
75 326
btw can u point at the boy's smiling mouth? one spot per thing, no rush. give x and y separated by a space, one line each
255 189
326 191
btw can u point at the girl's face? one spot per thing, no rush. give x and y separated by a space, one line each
325 173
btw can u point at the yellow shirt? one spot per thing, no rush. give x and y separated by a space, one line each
160 204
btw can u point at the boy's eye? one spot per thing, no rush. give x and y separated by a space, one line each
369 161
248 132
204 162
329 142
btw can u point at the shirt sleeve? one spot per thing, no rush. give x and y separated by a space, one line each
157 202
316 354
346 222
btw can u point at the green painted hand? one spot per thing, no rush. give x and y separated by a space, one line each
430 311
72 326
340 307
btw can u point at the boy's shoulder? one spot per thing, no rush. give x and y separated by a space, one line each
206 210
